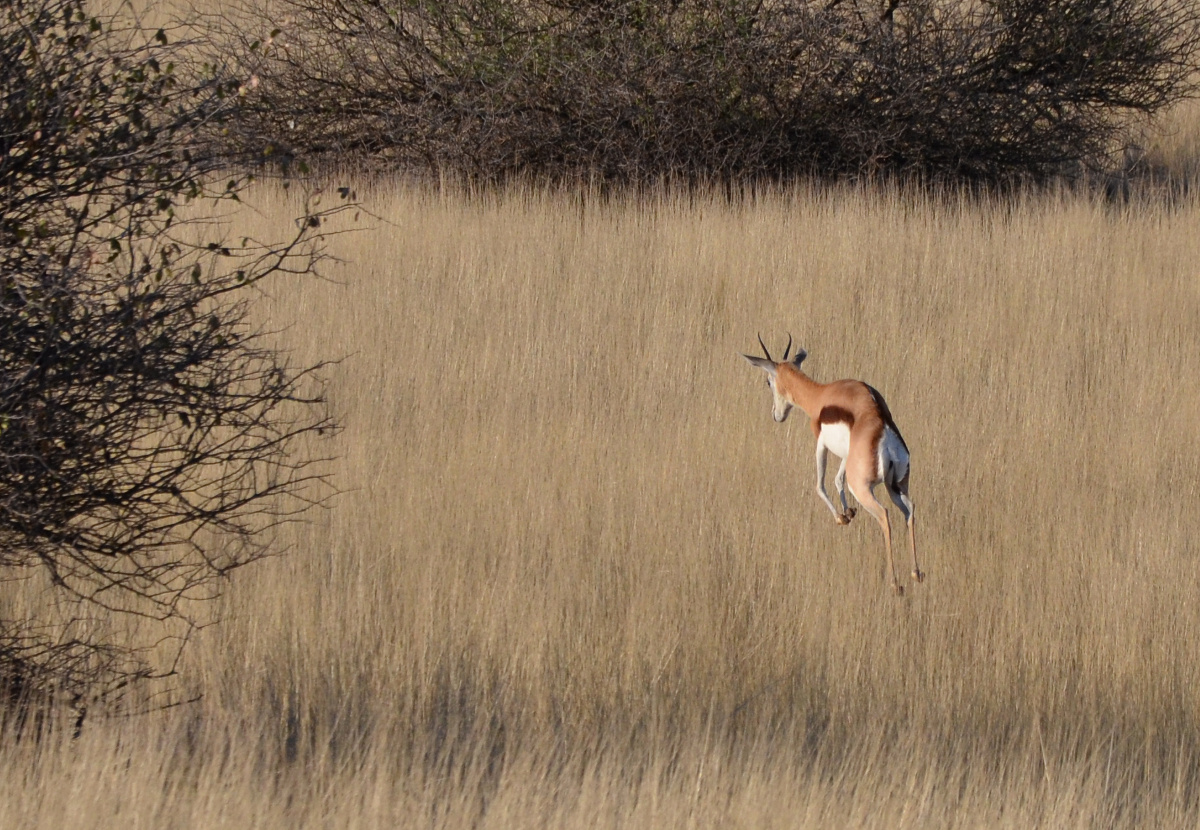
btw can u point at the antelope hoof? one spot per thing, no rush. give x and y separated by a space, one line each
842 519
919 575
898 589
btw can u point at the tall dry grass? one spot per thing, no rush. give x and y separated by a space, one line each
579 578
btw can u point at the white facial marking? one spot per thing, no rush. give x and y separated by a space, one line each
779 405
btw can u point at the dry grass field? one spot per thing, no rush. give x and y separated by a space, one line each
577 577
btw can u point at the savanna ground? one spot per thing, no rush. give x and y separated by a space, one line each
577 576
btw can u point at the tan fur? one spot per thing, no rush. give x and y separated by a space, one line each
850 396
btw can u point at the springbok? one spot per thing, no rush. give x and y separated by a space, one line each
852 421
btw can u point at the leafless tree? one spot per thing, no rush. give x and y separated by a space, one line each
719 89
148 431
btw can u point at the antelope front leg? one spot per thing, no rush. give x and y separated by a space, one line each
821 460
839 481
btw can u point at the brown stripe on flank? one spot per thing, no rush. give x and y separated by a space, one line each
835 415
885 413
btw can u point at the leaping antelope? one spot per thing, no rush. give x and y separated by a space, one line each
852 421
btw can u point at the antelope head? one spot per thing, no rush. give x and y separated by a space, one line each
782 402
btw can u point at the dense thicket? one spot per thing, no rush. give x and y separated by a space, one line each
719 89
146 429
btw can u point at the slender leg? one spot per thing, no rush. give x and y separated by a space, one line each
900 497
863 492
839 481
821 461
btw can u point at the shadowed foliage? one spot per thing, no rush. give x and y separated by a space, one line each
631 90
146 429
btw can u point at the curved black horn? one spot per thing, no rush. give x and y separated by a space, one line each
789 347
764 345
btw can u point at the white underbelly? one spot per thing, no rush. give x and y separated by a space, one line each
836 438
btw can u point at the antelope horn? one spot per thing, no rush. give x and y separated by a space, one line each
764 348
789 347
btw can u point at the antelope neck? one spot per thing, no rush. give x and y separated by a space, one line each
798 386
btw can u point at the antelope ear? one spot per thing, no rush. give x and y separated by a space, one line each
767 366
798 358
